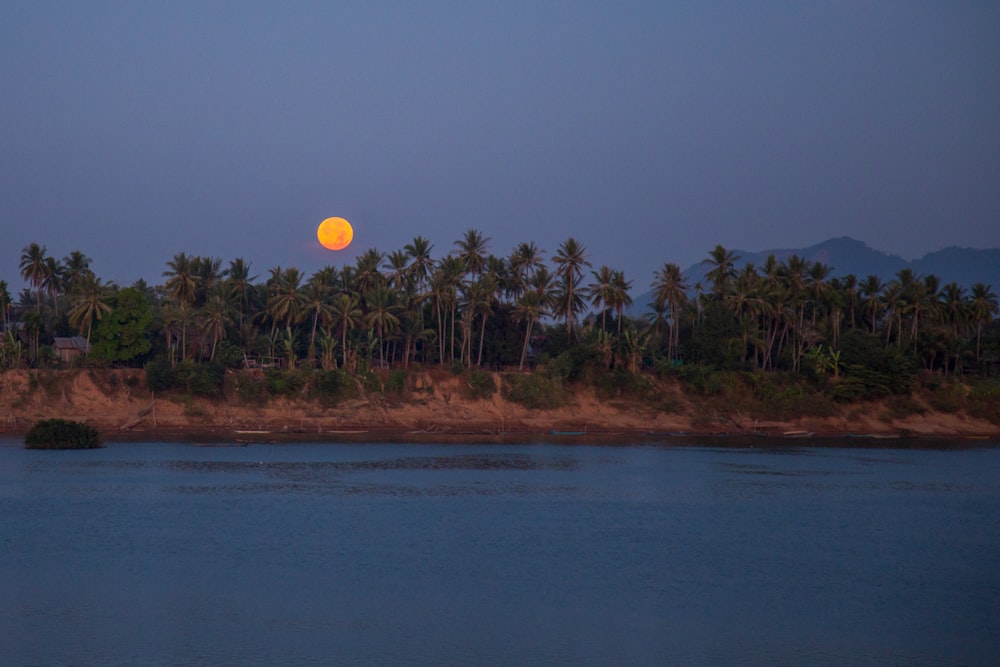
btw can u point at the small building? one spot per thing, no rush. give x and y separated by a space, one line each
70 348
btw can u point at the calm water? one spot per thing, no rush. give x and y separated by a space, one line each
175 554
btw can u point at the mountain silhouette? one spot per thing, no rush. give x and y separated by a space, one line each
845 255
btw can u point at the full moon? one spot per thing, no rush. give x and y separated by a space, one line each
335 233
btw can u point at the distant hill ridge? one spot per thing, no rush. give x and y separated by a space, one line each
845 255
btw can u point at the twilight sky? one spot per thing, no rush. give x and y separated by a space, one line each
650 131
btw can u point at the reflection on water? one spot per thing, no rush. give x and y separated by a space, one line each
163 554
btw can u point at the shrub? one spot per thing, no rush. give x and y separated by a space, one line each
620 383
397 381
904 406
330 386
984 400
480 384
159 375
200 379
536 391
946 397
61 434
249 386
372 383
281 382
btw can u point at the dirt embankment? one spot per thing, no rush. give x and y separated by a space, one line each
119 404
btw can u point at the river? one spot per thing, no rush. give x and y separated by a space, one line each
167 553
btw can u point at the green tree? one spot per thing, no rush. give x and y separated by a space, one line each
124 333
984 307
570 260
381 314
670 294
346 316
529 309
34 269
90 304
5 304
473 247
216 316
722 271
601 292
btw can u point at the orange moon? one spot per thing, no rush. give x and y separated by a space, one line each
335 233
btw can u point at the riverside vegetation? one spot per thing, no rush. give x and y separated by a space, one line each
779 341
61 434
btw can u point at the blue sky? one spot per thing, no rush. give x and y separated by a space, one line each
650 131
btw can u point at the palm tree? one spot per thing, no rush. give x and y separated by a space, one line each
818 273
209 272
5 304
90 304
182 278
570 259
315 301
421 265
445 283
924 302
367 274
481 297
34 269
523 262
399 273
620 297
871 293
473 246
984 306
240 285
955 311
285 302
530 308
850 287
327 346
723 263
53 282
217 314
602 291
670 290
346 316
76 267
381 314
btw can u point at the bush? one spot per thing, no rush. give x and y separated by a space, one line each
903 406
948 397
984 400
280 382
159 375
331 386
787 396
536 391
248 386
61 434
480 384
200 379
620 383
397 382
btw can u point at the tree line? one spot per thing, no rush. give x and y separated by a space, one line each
470 308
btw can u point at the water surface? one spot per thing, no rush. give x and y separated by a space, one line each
421 554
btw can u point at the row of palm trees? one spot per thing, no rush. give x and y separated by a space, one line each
796 304
395 307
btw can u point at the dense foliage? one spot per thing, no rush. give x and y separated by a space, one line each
849 338
61 434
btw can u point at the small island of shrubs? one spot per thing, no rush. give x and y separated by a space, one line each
61 434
